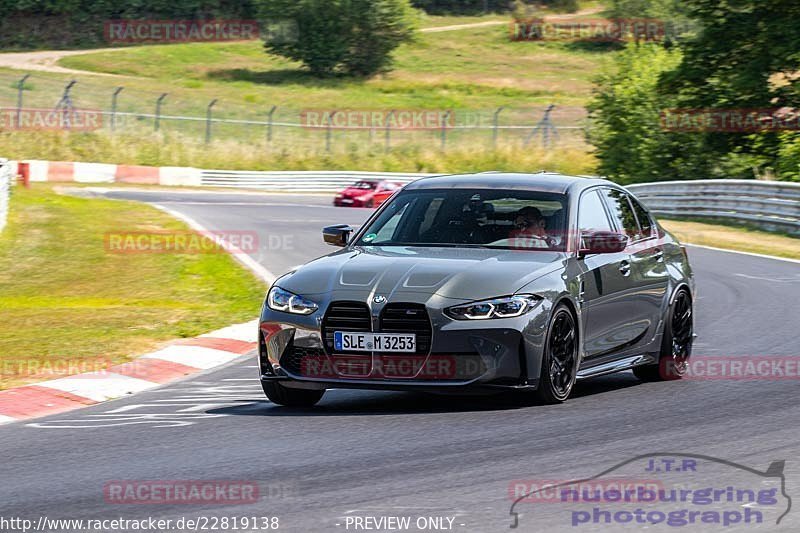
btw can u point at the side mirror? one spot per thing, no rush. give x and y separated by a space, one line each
337 235
603 242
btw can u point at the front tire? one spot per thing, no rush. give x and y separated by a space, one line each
676 343
560 359
280 395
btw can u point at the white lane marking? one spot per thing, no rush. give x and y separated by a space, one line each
6 419
247 332
762 256
773 280
99 386
193 356
253 204
237 254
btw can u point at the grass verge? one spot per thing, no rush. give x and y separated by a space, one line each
734 238
68 305
173 150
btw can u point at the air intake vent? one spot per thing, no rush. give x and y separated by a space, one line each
408 318
345 316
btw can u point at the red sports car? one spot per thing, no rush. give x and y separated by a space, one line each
366 193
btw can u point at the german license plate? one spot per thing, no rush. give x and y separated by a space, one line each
344 341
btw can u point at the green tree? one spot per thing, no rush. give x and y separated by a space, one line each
349 36
625 117
743 55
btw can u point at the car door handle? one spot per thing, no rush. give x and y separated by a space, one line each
658 255
625 267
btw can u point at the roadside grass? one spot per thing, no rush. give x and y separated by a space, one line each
160 150
67 303
739 238
477 68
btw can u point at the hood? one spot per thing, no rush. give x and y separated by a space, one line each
458 273
355 192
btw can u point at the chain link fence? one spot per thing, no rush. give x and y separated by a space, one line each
121 109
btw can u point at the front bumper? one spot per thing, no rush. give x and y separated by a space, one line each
464 356
348 202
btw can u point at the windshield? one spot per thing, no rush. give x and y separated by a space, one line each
364 185
471 218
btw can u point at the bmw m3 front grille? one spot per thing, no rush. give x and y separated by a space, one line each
408 318
345 316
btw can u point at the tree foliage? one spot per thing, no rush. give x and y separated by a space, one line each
744 54
69 23
351 36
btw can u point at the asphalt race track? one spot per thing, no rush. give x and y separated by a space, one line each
379 453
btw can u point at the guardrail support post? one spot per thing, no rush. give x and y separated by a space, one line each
20 89
208 120
157 123
114 97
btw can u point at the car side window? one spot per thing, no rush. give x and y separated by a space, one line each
645 222
622 212
592 215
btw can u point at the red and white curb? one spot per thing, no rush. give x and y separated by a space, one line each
178 360
65 171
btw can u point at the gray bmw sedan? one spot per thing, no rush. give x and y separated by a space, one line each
485 282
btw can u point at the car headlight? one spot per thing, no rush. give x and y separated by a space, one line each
507 307
282 300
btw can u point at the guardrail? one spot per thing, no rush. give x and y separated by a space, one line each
6 180
774 206
289 181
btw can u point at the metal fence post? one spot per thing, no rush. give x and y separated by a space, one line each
444 129
114 97
158 110
496 125
269 124
208 120
389 130
65 103
546 127
20 89
328 132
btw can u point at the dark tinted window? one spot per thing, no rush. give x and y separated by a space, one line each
622 212
591 214
471 217
645 222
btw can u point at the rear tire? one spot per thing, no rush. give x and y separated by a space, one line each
676 343
280 395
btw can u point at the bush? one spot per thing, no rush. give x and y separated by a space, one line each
789 157
349 36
